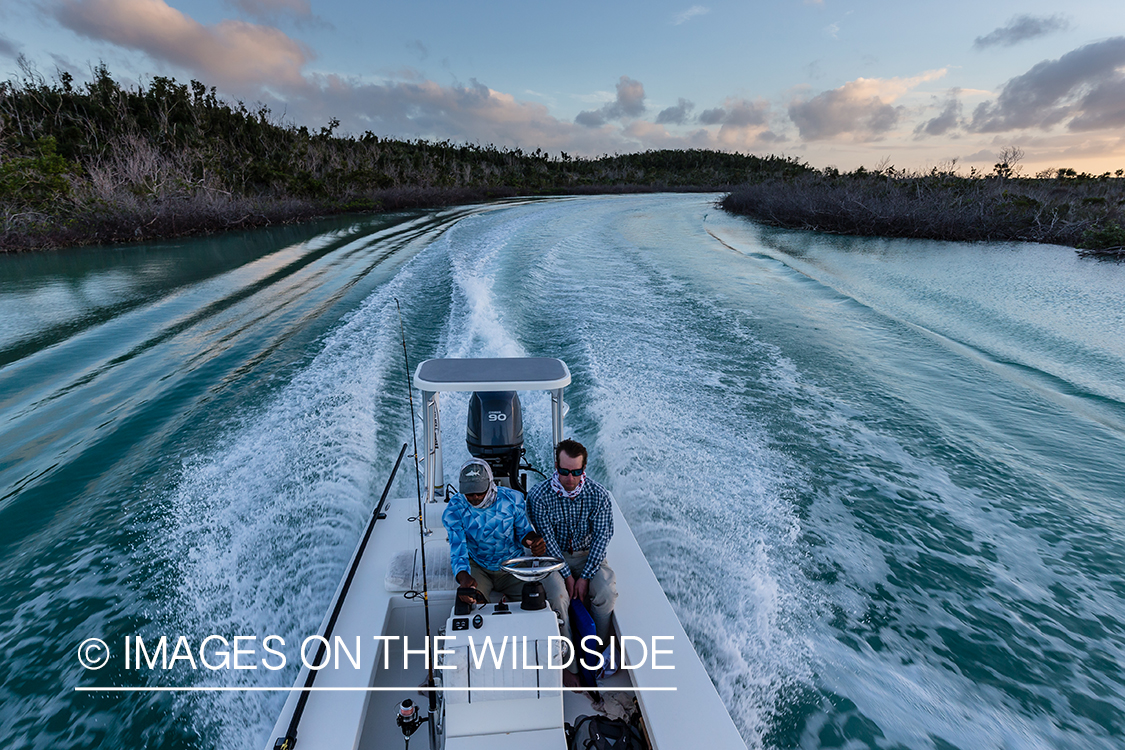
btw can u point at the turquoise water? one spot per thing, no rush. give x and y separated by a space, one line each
881 481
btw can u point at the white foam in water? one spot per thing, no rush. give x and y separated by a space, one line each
904 689
265 523
717 533
263 526
705 496
676 398
655 440
475 327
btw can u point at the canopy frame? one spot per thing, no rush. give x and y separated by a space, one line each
436 376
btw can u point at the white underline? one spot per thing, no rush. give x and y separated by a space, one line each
227 689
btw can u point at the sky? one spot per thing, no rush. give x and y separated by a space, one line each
839 83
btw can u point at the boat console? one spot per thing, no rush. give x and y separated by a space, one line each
499 646
503 646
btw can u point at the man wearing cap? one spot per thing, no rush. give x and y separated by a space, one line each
575 516
487 525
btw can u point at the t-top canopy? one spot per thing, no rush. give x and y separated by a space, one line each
514 374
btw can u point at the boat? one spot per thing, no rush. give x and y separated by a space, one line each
396 667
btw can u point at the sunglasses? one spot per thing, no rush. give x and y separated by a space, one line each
570 472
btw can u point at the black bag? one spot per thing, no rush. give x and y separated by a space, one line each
603 733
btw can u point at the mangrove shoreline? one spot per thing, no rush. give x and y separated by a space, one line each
102 163
1082 211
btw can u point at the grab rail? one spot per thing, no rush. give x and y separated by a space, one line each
289 741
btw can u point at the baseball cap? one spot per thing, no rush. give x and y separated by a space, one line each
475 478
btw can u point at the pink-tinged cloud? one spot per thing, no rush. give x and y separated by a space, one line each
650 135
630 102
424 109
647 135
260 62
862 109
232 53
477 114
743 125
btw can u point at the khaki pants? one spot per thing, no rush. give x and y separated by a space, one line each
496 580
601 597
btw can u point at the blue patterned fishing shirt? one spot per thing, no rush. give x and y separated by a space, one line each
573 524
488 536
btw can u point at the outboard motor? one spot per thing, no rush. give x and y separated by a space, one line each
495 434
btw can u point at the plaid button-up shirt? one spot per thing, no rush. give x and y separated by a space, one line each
584 522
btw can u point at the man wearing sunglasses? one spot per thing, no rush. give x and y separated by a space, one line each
575 516
487 525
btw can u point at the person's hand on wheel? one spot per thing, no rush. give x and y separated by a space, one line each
536 544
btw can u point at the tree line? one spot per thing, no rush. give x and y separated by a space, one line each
103 162
1059 206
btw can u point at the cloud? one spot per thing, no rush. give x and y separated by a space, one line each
468 113
832 30
262 63
862 108
1102 107
8 48
1085 85
405 73
652 135
630 102
712 116
476 113
977 156
1020 29
744 125
738 113
690 13
229 52
947 120
677 115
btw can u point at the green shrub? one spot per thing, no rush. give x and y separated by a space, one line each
37 180
1111 235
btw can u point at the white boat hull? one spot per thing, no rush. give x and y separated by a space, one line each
355 708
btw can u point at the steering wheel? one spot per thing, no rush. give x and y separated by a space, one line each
531 568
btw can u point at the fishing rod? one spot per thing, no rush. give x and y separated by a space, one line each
421 521
290 739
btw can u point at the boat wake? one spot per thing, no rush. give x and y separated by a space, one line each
261 524
869 536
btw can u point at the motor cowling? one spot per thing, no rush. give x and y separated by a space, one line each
495 433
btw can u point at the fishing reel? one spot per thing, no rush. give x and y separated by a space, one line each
409 719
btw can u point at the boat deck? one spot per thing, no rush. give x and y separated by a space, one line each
671 700
407 618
